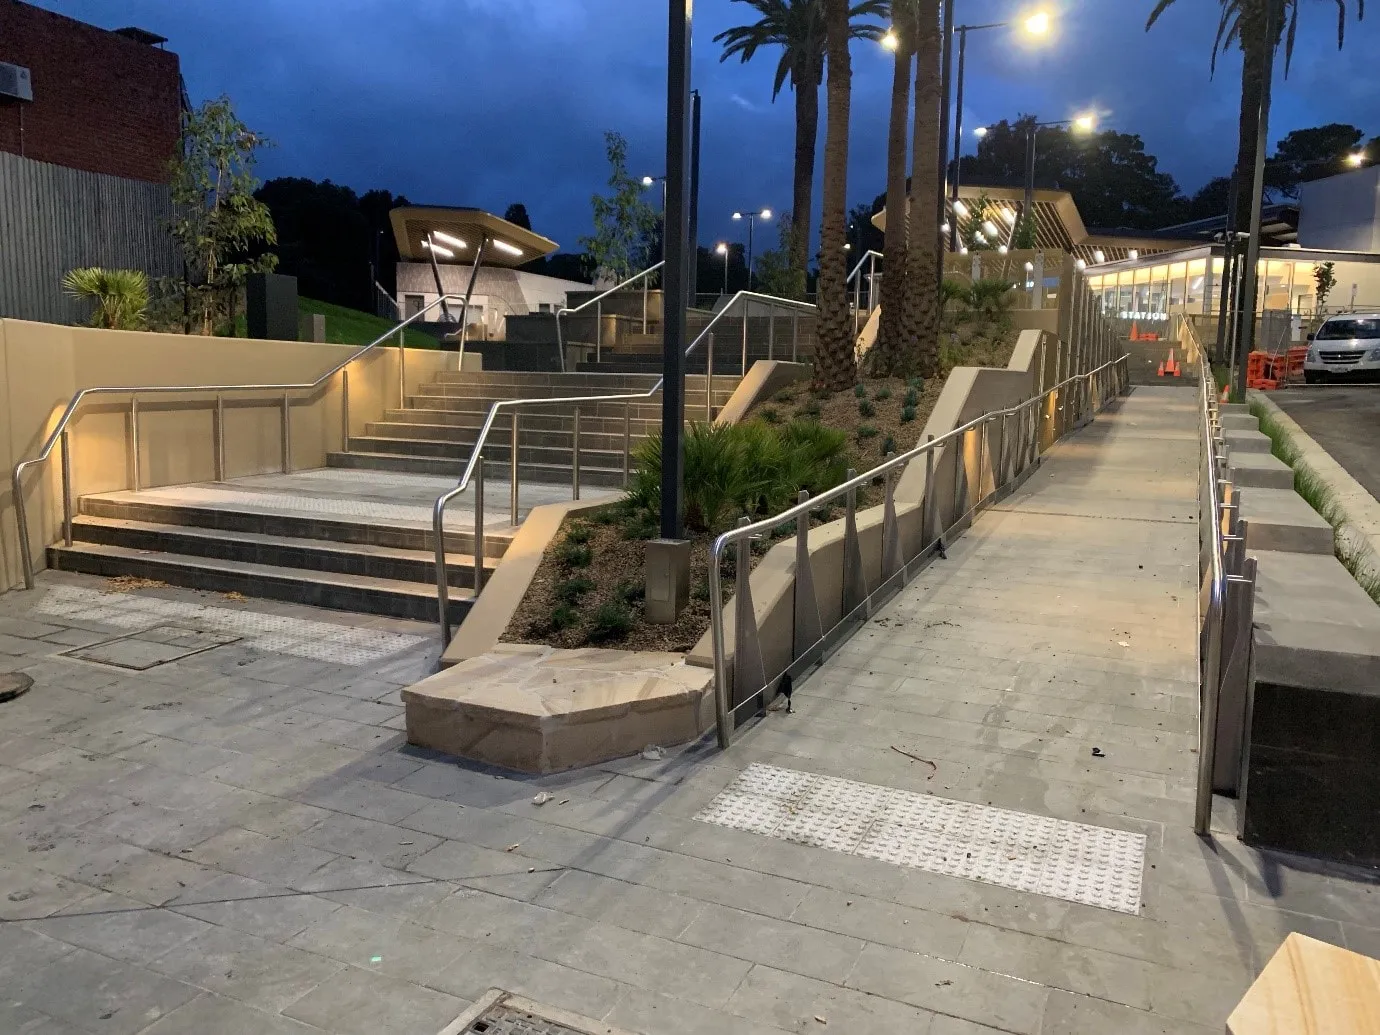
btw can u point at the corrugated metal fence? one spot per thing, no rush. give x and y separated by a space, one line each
54 219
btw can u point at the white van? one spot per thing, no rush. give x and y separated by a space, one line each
1345 348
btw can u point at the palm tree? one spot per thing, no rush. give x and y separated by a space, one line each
1243 22
888 356
121 296
921 320
835 363
797 27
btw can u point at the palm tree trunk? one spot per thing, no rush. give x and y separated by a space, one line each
1252 84
922 265
890 348
806 133
835 363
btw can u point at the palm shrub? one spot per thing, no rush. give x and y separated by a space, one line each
990 296
121 296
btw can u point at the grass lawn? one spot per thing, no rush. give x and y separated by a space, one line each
353 327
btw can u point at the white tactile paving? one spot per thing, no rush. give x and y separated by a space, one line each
280 634
279 503
1097 866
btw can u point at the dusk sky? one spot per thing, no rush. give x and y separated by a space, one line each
488 102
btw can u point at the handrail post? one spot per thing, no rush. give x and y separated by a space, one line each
66 488
134 441
982 464
627 442
513 475
795 333
745 332
709 378
575 459
644 304
478 530
927 502
287 435
771 332
21 521
219 430
402 372
344 410
598 331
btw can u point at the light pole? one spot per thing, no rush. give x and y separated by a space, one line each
722 249
751 218
647 181
1082 123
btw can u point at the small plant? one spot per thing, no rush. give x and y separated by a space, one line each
882 394
860 391
563 616
641 524
785 396
571 590
911 398
888 445
631 592
701 590
605 516
121 296
907 414
612 620
916 384
578 533
866 408
810 410
770 415
866 431
574 555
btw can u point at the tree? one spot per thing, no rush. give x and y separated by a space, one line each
622 219
888 353
516 213
1310 154
1243 22
218 224
835 361
1117 183
121 296
1324 280
798 28
972 231
774 274
923 258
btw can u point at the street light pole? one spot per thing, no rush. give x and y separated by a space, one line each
723 250
674 272
751 218
945 85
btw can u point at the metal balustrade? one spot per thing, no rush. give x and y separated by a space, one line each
1024 430
598 303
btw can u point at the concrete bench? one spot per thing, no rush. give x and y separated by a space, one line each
1261 471
1246 441
1311 986
1280 519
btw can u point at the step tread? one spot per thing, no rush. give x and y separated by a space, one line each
263 539
251 569
461 461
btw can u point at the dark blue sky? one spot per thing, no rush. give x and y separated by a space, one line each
487 102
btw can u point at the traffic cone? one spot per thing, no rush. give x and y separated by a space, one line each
1160 372
1135 334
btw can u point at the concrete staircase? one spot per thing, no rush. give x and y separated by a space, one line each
437 431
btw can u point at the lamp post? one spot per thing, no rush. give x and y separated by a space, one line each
1036 25
1082 123
647 181
751 218
722 249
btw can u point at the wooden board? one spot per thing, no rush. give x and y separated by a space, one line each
1311 988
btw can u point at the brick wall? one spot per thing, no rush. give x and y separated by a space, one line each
102 103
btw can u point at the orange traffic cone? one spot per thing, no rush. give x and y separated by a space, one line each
1160 372
1135 334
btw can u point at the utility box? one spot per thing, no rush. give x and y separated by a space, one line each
270 304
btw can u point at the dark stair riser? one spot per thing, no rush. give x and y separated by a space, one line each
559 474
464 438
290 526
496 452
308 556
530 422
361 600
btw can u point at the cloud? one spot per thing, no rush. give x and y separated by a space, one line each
745 104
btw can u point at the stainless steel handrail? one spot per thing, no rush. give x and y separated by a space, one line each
438 513
59 432
1211 662
597 301
801 511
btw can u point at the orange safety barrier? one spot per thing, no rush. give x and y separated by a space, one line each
1265 371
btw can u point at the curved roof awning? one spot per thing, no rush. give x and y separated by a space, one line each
458 231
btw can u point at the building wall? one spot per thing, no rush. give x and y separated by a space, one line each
102 103
53 220
1341 212
498 292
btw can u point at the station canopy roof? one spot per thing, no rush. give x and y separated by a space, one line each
456 233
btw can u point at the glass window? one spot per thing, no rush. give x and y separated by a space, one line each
1197 277
412 305
1346 328
1178 272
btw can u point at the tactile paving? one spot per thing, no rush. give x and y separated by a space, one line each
1097 866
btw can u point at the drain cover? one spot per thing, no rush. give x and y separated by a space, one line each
14 684
502 1013
156 646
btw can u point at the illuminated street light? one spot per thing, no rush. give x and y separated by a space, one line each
980 132
1038 23
1085 123
752 218
891 41
722 249
1356 159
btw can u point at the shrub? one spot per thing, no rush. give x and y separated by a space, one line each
612 620
605 516
784 396
860 391
121 296
888 445
571 590
907 414
563 616
866 408
701 590
911 398
578 533
770 415
810 409
916 384
631 592
574 555
882 394
866 431
990 296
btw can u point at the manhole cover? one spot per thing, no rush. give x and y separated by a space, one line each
156 646
14 684
502 1013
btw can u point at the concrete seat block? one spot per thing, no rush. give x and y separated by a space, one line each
1280 519
1247 441
1261 471
1240 422
540 709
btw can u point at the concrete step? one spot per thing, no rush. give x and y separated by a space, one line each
1280 519
501 436
549 474
496 451
1247 441
569 384
238 519
359 593
1240 422
1261 471
537 422
381 562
